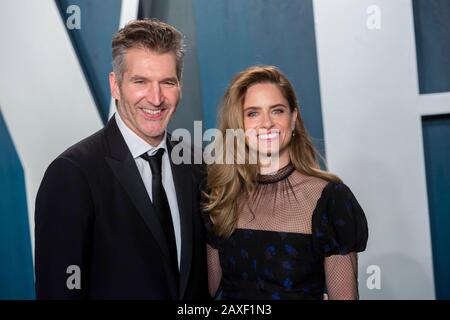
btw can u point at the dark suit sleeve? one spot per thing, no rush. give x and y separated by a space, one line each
63 229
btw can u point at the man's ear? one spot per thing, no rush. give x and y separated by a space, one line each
114 85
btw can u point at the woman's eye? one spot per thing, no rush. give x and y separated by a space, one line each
278 111
251 114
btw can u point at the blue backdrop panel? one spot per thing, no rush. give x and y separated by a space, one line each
92 43
436 133
179 14
16 265
432 27
234 34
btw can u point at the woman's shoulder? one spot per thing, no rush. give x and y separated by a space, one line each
334 190
339 224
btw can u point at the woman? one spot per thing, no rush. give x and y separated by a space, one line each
278 229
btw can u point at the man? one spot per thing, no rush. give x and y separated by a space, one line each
115 217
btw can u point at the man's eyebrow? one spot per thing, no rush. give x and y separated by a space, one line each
137 77
174 79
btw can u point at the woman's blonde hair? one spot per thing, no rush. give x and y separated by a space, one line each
227 182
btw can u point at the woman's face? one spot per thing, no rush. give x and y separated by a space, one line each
268 121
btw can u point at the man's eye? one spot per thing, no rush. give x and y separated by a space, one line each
278 111
139 81
169 83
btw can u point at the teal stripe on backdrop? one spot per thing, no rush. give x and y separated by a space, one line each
92 43
432 30
436 133
16 265
234 34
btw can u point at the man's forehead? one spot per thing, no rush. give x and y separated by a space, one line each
143 61
145 53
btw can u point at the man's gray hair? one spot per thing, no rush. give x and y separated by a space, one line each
150 34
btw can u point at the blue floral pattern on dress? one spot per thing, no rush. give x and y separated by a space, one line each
259 264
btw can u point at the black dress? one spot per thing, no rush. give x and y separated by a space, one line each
283 256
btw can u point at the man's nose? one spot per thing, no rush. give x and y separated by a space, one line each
155 95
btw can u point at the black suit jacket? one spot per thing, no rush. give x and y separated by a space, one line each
93 211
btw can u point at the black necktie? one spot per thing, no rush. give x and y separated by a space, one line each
161 204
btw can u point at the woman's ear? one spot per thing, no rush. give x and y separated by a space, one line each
294 118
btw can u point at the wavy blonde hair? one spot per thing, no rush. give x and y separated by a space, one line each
227 182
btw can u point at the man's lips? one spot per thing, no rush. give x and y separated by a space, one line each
152 114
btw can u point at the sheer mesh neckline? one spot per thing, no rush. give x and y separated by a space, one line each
276 176
282 202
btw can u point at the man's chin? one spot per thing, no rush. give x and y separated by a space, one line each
153 131
153 137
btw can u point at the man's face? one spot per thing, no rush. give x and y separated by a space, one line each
148 94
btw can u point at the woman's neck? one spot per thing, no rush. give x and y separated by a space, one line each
272 164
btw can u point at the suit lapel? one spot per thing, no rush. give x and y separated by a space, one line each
125 170
183 181
131 180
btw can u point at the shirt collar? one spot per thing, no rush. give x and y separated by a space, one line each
136 144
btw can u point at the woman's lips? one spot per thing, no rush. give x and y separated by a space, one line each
268 136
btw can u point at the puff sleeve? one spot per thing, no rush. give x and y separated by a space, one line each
339 229
339 225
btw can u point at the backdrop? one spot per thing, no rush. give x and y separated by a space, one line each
372 78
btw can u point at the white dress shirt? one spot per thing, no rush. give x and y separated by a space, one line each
138 147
